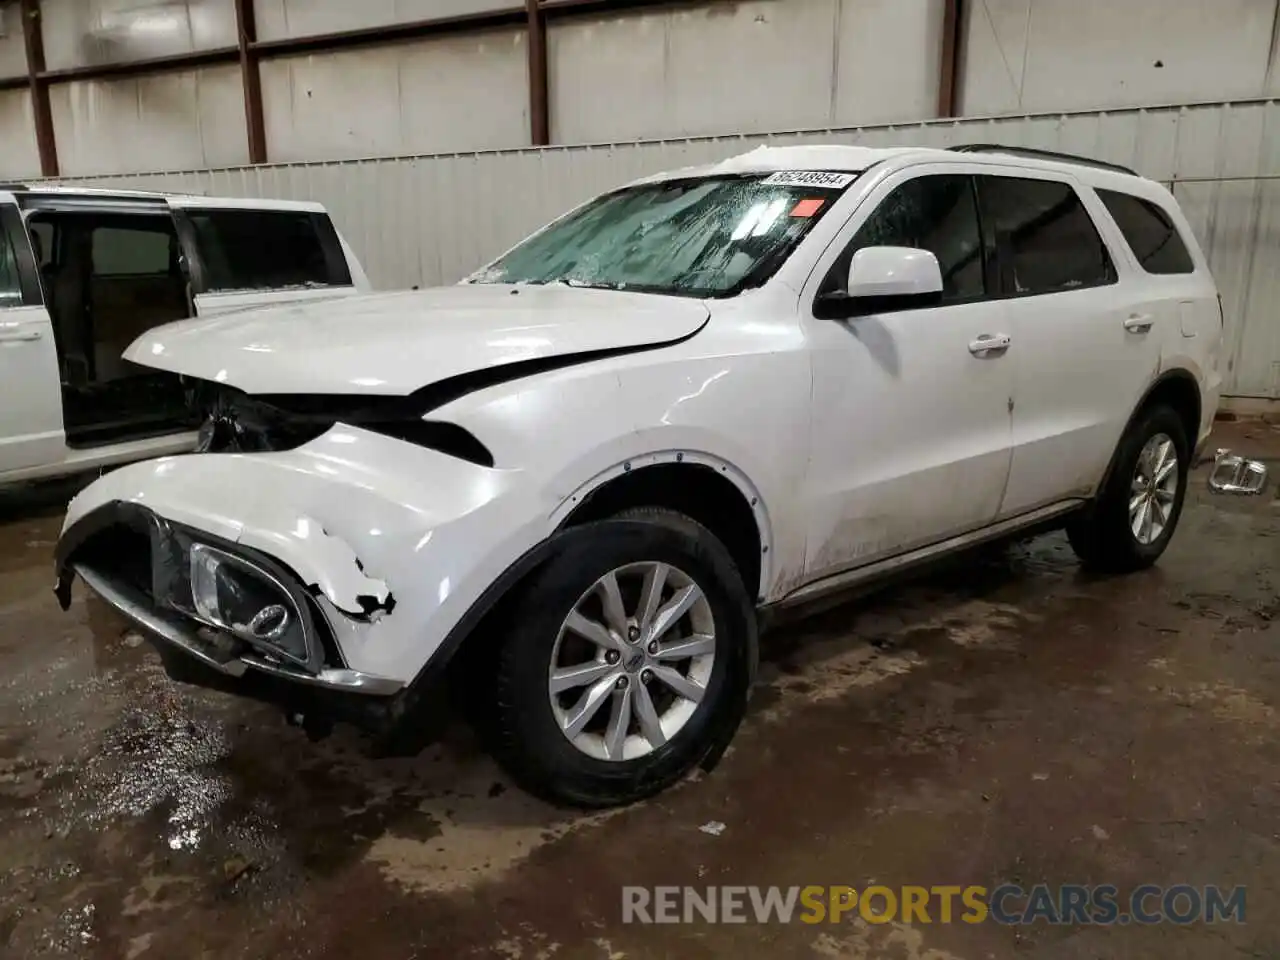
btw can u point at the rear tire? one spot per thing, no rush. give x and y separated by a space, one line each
654 714
1133 519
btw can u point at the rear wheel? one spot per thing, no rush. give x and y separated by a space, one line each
1135 515
626 661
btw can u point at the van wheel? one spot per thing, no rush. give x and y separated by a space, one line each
1131 523
625 663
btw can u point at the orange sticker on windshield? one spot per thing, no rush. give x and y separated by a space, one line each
807 208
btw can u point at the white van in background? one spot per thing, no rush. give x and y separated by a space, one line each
83 273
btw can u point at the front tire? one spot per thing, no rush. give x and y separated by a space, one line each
1131 523
625 663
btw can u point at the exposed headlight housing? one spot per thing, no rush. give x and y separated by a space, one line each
236 595
232 595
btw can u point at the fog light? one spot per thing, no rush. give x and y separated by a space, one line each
231 595
270 622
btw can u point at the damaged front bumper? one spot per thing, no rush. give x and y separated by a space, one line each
230 608
352 566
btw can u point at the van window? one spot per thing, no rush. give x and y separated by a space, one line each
267 249
133 251
1150 233
934 213
1044 239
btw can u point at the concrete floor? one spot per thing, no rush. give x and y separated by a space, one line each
1002 720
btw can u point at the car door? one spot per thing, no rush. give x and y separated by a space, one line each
911 425
31 431
1087 344
249 256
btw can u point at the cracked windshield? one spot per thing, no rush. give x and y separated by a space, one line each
706 237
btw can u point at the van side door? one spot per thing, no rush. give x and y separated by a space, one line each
31 429
241 256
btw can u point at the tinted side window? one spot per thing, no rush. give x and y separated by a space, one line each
124 251
938 214
1149 232
1045 240
265 249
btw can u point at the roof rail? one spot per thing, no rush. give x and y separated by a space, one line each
1042 155
14 187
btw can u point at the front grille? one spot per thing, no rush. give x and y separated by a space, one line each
235 422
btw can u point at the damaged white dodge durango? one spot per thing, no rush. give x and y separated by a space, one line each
584 472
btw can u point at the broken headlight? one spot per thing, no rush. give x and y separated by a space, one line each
232 594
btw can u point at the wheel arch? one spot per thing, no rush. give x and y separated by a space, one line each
1177 388
695 478
704 488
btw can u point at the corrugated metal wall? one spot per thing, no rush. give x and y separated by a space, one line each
432 219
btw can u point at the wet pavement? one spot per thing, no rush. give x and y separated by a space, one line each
1003 719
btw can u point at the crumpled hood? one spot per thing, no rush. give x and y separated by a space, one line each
392 344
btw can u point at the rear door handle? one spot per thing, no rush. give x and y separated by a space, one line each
989 345
22 336
1138 323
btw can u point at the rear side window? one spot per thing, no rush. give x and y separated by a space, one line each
1045 240
267 249
1150 233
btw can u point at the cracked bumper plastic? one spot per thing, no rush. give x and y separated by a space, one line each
388 544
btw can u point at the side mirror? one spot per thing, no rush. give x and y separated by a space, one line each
883 279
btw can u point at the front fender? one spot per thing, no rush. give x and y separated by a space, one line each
577 429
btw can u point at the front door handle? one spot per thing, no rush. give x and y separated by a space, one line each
990 345
1139 323
22 336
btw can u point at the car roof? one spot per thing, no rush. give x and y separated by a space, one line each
38 191
855 159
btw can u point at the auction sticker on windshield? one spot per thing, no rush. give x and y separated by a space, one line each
810 178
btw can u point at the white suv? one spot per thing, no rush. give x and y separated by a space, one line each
583 471
84 272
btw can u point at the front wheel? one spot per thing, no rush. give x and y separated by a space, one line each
626 661
1137 511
